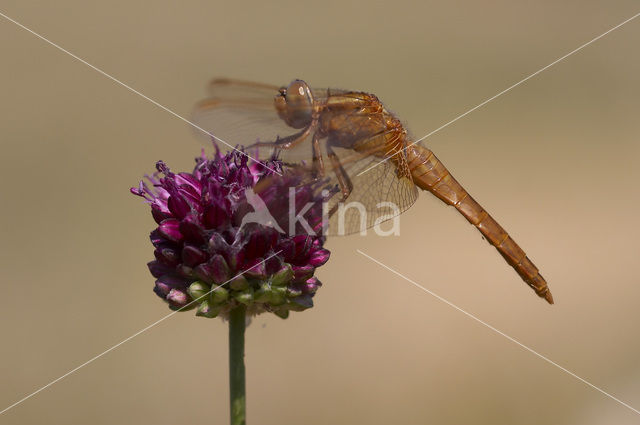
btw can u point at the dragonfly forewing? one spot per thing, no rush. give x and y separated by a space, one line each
242 113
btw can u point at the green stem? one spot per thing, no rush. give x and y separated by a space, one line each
237 392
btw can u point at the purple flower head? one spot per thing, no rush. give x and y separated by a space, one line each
235 231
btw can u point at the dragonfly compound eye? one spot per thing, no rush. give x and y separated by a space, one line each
299 104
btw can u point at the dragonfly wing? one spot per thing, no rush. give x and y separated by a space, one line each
240 113
229 87
379 194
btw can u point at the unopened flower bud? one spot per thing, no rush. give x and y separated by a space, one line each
205 309
198 290
240 283
283 276
245 297
218 295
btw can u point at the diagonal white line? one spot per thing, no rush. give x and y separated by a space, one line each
499 332
129 338
504 91
115 80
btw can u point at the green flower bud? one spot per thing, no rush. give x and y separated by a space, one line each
240 283
219 295
282 313
278 295
198 290
283 276
244 297
263 294
205 309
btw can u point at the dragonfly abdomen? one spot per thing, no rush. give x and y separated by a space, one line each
430 174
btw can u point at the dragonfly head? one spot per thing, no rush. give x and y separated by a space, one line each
294 104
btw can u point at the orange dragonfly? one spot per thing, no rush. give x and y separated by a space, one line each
349 138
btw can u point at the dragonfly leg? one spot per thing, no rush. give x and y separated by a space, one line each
346 186
289 141
318 161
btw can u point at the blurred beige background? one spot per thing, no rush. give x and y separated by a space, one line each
554 160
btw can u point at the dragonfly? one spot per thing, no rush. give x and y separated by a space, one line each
351 140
